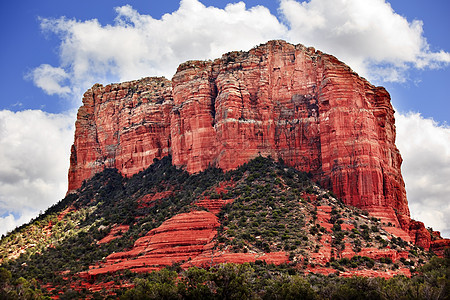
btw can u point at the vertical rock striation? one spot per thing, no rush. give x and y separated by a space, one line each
294 103
123 126
287 101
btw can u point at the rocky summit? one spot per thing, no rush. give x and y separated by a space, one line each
288 101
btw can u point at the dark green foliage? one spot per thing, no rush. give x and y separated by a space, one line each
109 199
19 288
158 285
232 281
268 214
195 284
357 288
262 281
289 287
432 282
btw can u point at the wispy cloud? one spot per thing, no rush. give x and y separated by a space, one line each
51 79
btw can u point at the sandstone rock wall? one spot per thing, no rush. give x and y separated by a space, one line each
123 126
278 99
297 104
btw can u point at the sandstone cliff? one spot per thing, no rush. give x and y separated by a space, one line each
287 101
123 126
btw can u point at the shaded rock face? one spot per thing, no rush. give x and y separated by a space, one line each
439 246
123 126
287 101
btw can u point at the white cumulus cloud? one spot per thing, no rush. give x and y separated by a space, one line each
425 148
34 151
50 79
367 35
138 45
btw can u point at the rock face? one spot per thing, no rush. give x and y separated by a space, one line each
123 126
287 101
419 234
116 232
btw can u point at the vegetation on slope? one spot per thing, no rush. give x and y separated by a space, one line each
275 208
260 281
103 201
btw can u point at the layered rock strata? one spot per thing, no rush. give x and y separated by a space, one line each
185 238
287 101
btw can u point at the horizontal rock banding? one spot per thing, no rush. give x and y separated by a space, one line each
186 237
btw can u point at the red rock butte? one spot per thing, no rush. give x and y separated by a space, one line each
287 101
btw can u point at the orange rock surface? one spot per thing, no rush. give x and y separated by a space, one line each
375 273
150 200
178 239
365 273
212 258
419 234
376 254
187 238
398 232
439 246
116 232
294 103
213 205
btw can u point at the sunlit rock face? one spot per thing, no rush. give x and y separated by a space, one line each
287 101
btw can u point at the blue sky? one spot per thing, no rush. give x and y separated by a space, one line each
54 50
26 46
